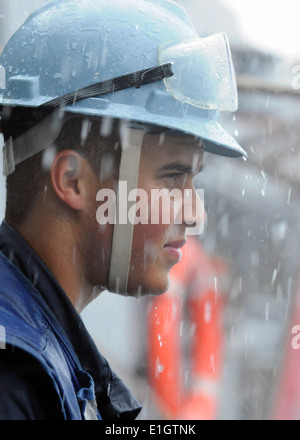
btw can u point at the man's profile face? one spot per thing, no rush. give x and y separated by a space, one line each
168 164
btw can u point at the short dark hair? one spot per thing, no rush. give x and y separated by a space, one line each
82 134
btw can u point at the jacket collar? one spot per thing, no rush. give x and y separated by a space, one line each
113 398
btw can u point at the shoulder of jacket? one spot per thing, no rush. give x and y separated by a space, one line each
19 309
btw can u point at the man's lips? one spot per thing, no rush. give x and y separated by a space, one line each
175 244
173 249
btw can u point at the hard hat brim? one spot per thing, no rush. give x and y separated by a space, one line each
215 138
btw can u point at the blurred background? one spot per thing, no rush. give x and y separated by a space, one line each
218 345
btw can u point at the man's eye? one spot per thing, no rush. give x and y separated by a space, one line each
173 175
175 179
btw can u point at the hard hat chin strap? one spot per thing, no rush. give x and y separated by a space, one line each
132 140
33 141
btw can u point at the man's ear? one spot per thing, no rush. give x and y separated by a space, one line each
66 174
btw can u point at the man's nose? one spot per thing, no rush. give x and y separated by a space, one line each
194 214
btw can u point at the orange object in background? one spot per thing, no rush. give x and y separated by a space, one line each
187 388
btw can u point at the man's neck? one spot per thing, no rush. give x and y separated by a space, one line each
55 244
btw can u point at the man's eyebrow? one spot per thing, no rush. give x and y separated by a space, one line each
181 167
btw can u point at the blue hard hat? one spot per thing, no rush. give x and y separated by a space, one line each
69 45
